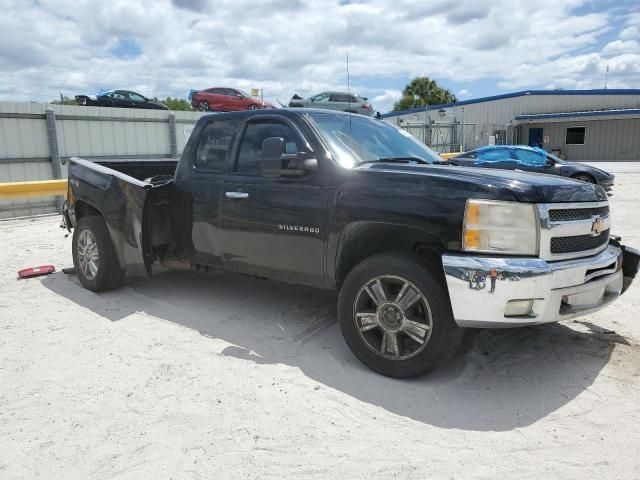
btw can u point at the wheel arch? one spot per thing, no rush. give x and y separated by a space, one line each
584 174
361 240
82 209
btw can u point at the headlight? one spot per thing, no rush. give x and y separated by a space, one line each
500 227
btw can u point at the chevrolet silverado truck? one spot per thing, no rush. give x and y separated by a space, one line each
417 250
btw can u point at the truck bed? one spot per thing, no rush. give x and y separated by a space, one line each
133 198
141 169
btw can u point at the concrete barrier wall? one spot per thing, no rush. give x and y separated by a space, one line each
28 142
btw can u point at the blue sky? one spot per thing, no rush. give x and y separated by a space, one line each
166 47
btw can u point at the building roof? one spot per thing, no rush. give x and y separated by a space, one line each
599 91
591 113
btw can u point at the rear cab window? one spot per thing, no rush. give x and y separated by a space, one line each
215 146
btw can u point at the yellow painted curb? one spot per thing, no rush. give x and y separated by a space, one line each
40 188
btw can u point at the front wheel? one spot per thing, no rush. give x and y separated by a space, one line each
395 315
253 106
583 177
94 258
203 106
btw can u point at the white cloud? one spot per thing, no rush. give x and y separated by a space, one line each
463 93
618 47
630 33
299 46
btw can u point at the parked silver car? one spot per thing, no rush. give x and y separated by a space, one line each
342 101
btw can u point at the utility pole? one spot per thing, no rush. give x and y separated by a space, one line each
348 80
464 123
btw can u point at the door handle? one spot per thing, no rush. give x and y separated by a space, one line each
236 195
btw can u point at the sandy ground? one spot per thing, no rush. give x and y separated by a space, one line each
201 376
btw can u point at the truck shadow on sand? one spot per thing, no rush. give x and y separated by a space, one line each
501 379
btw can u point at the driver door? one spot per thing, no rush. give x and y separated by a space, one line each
121 99
138 100
273 227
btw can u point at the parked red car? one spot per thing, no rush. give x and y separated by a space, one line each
226 100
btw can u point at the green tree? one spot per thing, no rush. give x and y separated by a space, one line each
423 91
175 103
64 100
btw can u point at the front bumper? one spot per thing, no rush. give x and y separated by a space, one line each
481 287
607 183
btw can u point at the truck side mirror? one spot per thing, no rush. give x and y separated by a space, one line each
276 163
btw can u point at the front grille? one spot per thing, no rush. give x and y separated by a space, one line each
578 243
572 214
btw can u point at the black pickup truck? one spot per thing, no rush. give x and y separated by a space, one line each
417 250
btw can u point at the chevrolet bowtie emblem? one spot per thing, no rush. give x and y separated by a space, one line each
597 227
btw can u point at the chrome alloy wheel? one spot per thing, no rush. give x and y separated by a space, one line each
392 317
88 258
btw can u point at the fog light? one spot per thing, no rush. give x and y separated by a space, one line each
517 308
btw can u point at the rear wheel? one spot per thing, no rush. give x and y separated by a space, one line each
94 258
395 315
253 106
203 106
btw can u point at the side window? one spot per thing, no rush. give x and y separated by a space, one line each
531 158
339 97
215 145
352 99
494 155
250 154
322 97
136 97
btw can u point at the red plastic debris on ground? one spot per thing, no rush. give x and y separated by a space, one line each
36 271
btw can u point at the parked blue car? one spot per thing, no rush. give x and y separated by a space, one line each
532 159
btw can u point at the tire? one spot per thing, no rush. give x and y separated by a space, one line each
584 177
366 322
103 272
203 106
253 106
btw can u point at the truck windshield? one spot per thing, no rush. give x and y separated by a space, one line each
356 139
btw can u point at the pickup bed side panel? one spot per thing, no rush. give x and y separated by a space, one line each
121 200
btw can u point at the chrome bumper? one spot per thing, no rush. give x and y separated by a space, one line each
480 287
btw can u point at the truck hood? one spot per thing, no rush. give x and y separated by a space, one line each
525 187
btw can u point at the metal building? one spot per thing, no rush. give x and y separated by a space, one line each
592 125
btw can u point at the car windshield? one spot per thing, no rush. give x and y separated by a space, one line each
355 139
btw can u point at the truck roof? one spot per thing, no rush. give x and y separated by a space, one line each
288 112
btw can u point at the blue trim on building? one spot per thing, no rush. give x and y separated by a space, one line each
595 113
598 91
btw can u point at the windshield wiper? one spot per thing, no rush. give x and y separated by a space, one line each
394 160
